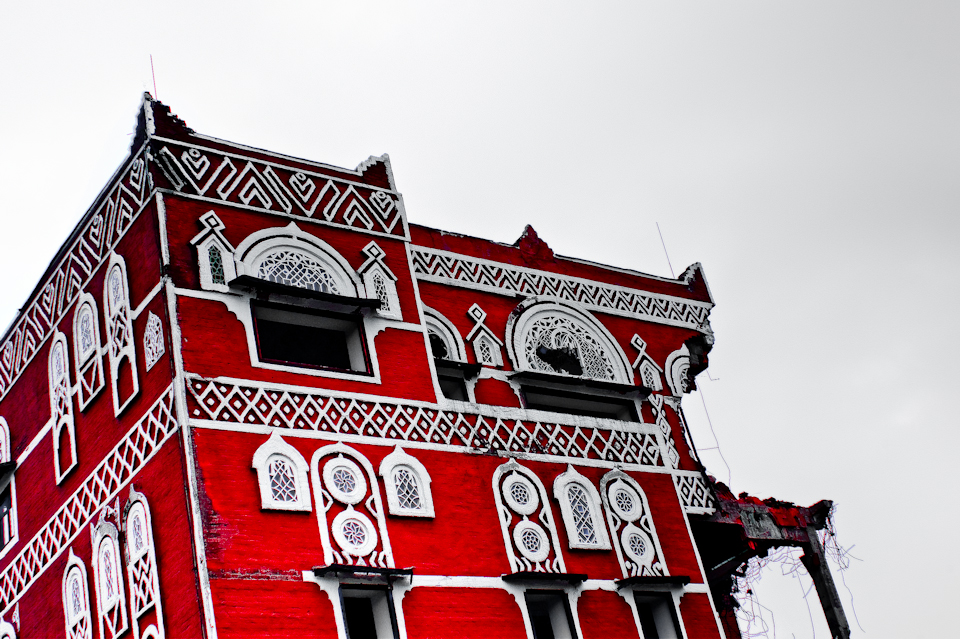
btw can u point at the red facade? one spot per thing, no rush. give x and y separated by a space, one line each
249 399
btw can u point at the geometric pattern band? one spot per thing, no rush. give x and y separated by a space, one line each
407 422
694 494
249 182
496 277
102 228
116 470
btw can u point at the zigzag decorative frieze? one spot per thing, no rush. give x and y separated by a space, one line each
116 470
694 494
113 216
269 186
450 268
246 404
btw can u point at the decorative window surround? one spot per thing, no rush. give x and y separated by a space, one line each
76 599
251 183
628 515
118 467
486 345
152 341
453 269
9 526
116 295
141 558
380 282
88 355
582 512
282 474
212 245
348 503
407 484
676 368
537 322
529 532
447 333
108 579
61 407
646 368
102 228
513 431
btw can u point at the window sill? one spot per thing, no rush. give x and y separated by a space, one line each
570 579
276 292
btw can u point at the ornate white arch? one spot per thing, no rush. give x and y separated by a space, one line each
269 243
61 404
532 320
283 476
88 357
108 580
676 368
407 484
116 304
444 329
631 525
582 512
76 599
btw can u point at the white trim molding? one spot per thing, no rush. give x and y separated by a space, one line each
582 511
407 484
282 474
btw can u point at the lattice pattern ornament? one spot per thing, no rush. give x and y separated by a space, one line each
61 408
270 186
103 484
559 332
407 484
152 340
353 530
529 531
483 429
283 484
457 270
295 268
103 227
635 537
694 494
215 258
582 512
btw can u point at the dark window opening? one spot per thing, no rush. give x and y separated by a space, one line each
368 613
573 403
550 615
438 347
658 616
453 387
6 517
563 360
313 340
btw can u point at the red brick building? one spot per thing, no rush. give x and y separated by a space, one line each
248 398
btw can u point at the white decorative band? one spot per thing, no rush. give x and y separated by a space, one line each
444 267
113 214
394 420
117 468
254 183
694 494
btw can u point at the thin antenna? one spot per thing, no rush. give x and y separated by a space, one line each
157 97
664 250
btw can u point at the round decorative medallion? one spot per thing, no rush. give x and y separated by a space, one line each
354 533
624 501
531 541
344 480
637 545
520 494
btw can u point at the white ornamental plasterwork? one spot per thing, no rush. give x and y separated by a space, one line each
443 267
408 422
153 340
657 401
694 494
274 187
97 235
78 511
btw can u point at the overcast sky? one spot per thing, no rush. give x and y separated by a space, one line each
806 153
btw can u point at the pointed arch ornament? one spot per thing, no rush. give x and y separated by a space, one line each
282 475
121 346
88 355
526 520
407 484
582 511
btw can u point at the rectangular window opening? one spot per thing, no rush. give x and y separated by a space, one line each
310 339
368 613
658 615
550 615
573 403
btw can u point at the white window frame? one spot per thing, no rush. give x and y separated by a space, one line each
111 611
443 328
561 486
399 459
77 625
114 315
376 267
146 554
6 456
481 334
93 360
275 447
61 419
212 235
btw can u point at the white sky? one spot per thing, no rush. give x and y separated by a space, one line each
806 153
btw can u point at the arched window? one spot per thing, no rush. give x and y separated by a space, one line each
282 474
108 581
677 368
123 354
153 347
445 340
61 408
76 600
87 357
142 577
380 281
407 484
215 258
631 525
486 345
581 510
